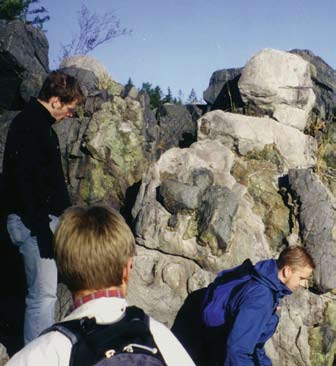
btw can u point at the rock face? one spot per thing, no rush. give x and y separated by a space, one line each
317 212
222 92
278 84
306 319
245 134
204 191
324 84
23 63
177 126
229 196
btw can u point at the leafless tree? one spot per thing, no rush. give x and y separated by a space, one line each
94 30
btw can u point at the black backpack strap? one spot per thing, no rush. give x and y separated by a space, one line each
65 330
90 341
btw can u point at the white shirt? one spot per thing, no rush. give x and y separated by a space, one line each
54 349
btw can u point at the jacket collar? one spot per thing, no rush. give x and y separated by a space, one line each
35 105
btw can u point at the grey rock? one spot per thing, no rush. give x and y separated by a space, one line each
178 196
88 81
203 178
215 93
317 216
278 84
324 83
306 332
177 127
217 211
23 58
245 134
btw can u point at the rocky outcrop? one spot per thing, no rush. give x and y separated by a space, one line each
317 215
245 134
177 126
222 92
228 197
306 319
210 190
324 84
278 84
23 63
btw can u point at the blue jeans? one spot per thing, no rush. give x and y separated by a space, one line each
41 277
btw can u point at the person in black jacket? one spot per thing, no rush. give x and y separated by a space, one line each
36 192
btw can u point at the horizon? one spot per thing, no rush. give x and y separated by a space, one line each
180 45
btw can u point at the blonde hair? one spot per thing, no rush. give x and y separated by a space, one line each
92 247
295 257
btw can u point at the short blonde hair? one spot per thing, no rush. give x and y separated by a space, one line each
92 247
295 257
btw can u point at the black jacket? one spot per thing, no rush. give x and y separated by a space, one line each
32 169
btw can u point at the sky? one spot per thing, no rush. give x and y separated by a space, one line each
180 43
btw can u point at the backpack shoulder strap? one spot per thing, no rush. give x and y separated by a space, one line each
91 340
65 330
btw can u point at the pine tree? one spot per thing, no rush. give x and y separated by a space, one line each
155 94
20 9
168 97
129 83
180 97
192 99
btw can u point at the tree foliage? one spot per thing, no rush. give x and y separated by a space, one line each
94 30
21 9
192 97
155 94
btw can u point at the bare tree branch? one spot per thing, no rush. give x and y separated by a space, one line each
94 30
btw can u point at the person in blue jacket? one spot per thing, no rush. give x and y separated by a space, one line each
251 315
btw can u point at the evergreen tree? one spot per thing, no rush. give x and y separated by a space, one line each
156 98
155 94
168 97
180 97
192 97
129 83
20 9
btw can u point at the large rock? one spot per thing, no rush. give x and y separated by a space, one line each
190 207
317 216
245 134
306 335
278 84
23 63
91 74
223 92
324 84
177 127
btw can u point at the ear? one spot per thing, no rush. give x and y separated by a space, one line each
127 270
287 271
55 102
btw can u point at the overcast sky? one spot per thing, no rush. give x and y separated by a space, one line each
180 43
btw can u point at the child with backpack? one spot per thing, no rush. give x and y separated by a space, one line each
229 322
93 250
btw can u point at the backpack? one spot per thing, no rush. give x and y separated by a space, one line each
123 343
221 291
201 319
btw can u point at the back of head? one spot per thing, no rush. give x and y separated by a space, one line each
295 257
62 85
92 247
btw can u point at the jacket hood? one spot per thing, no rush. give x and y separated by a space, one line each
266 272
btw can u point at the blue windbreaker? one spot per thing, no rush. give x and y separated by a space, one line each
253 316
